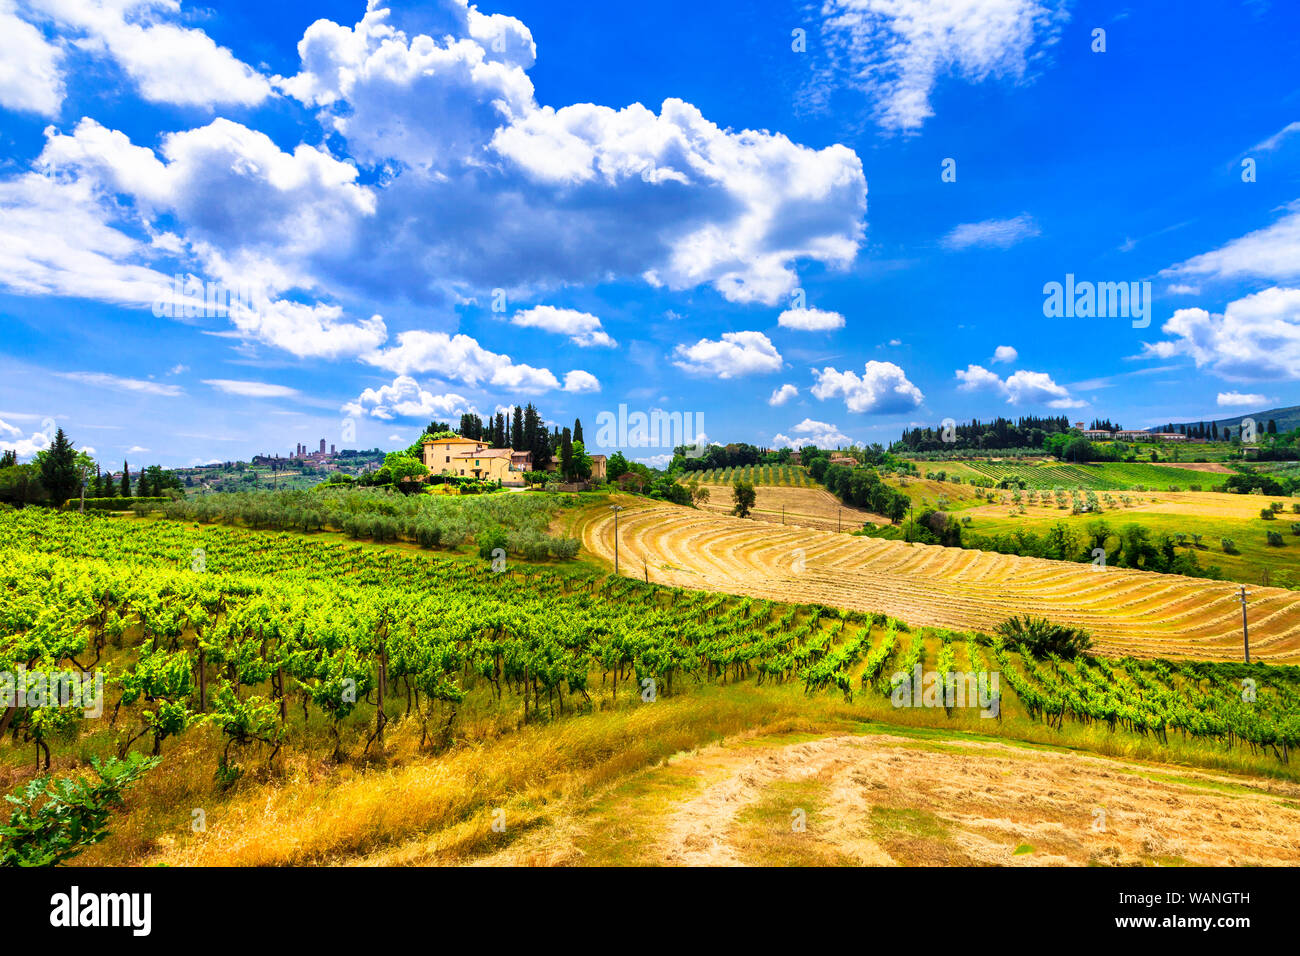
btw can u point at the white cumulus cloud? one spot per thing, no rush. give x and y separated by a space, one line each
810 320
405 398
1256 338
1020 388
460 358
1269 253
582 328
782 395
1239 399
736 354
579 381
31 77
810 432
169 63
882 387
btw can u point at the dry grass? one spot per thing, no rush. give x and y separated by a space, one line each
883 799
704 776
421 808
794 507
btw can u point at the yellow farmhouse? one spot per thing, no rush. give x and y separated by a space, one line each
474 459
471 459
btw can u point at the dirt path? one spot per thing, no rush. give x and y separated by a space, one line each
884 800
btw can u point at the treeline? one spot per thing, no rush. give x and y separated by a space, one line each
733 455
60 473
858 485
1248 482
1027 432
1210 431
1130 546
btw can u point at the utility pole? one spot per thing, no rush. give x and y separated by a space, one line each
839 515
616 509
1245 633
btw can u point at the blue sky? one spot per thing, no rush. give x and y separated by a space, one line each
681 206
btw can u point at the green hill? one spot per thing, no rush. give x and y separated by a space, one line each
1287 418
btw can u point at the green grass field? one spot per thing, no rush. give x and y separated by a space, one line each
1176 452
1098 476
1256 560
781 476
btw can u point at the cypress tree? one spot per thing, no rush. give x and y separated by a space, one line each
59 472
566 455
126 480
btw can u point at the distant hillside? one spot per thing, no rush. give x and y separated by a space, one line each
1286 418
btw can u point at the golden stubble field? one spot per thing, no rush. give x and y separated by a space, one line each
798 507
1128 612
1197 504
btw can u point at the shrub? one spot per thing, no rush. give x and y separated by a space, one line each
491 540
1267 514
1040 637
55 818
428 534
1295 527
1275 539
565 547
1229 546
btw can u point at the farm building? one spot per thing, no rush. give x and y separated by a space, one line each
471 459
1101 434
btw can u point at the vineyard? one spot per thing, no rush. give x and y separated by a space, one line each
783 476
268 625
243 646
242 630
1097 477
1128 612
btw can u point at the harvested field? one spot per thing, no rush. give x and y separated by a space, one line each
1128 612
886 800
795 507
1201 504
1214 467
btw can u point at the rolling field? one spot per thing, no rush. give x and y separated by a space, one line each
810 507
926 491
1128 612
1212 515
785 476
1097 476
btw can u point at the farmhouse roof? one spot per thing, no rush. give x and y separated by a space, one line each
485 453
